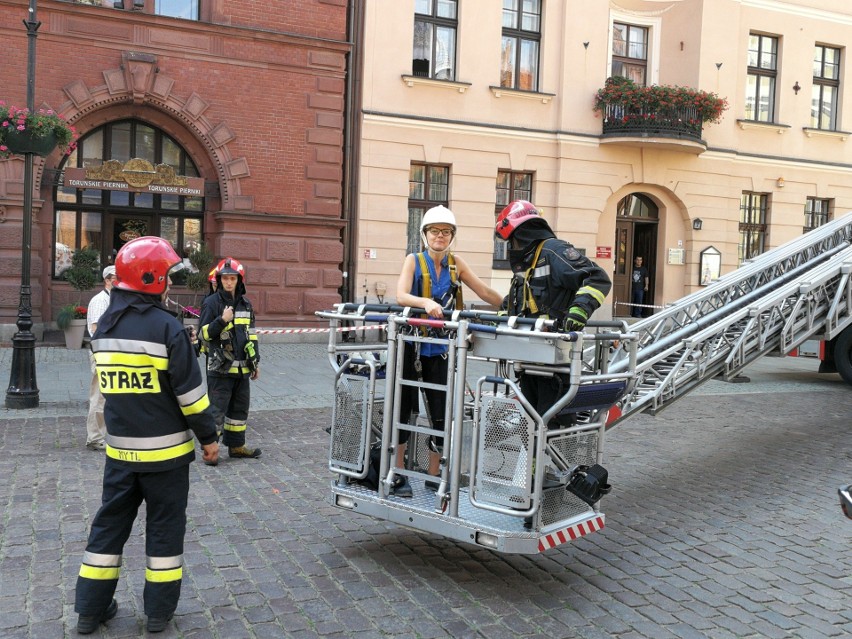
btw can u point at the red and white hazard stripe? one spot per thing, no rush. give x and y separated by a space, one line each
551 540
342 329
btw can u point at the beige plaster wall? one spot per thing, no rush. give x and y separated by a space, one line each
555 134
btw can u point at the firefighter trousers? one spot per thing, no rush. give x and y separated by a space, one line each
165 495
230 396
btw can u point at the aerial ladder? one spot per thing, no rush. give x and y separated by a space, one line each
799 291
511 482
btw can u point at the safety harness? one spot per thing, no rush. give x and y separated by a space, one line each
528 300
455 288
426 291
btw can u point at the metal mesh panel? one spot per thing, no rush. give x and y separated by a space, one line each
349 431
577 449
504 468
557 504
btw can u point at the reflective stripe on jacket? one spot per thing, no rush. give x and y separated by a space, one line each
238 331
155 396
561 277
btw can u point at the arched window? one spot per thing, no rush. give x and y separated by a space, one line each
106 217
637 205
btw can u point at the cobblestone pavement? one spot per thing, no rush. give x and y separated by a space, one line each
723 522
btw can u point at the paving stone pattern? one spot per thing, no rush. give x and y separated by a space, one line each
723 522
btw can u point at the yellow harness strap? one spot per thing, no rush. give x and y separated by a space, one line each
427 279
529 300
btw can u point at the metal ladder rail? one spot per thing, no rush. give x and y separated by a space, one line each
390 437
675 371
806 315
800 305
840 311
770 266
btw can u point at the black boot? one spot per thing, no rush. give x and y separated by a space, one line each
87 625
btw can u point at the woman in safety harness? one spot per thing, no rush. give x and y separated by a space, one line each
432 280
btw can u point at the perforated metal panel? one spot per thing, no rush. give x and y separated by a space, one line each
558 504
579 448
349 426
504 450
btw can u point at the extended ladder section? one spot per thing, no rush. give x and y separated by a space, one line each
798 291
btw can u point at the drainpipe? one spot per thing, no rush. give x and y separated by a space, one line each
352 146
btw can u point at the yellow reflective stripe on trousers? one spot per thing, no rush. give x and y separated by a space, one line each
100 574
163 454
235 428
163 576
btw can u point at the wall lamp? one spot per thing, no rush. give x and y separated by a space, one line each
780 183
696 224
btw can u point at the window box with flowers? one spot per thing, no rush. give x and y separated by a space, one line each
656 111
39 132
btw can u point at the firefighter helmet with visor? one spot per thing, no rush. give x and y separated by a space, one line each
230 266
515 214
144 265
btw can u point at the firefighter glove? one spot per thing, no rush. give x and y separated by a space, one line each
575 320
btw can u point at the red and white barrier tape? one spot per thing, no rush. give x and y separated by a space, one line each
639 305
342 329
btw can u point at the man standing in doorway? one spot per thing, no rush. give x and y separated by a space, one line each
639 283
95 426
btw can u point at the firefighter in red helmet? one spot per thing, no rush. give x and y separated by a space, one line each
155 400
233 355
551 279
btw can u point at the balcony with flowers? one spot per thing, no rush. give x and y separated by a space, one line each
658 116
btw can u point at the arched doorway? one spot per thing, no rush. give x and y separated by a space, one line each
637 219
105 218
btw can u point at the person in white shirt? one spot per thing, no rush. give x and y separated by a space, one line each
95 426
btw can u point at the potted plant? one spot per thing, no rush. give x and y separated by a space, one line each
72 320
83 276
201 261
39 132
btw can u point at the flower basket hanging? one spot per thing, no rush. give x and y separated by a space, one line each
40 132
24 142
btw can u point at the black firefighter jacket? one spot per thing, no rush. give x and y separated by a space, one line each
232 336
155 397
561 277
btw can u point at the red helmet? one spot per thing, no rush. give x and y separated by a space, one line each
515 214
143 265
211 276
230 266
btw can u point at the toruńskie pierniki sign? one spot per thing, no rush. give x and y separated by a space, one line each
137 175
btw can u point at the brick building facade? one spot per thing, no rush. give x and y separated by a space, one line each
250 97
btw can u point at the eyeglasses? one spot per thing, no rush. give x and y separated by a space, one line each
444 232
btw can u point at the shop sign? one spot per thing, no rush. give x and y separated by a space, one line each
137 175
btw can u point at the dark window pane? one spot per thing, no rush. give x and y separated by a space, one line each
144 147
120 149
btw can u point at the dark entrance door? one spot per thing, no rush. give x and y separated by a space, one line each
123 227
635 235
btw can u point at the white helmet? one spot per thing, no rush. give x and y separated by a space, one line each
438 215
